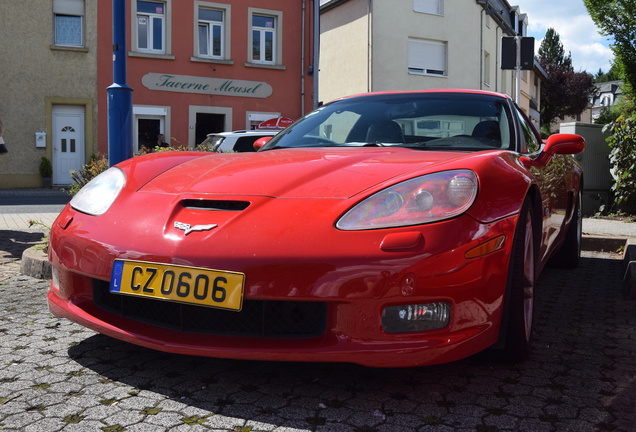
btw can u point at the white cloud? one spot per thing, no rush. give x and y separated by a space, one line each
577 32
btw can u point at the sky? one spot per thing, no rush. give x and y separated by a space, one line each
579 35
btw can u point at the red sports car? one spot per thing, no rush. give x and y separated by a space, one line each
386 229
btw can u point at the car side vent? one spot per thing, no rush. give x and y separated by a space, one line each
219 205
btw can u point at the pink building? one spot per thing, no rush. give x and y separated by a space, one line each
198 67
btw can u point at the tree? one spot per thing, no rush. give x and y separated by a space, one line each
612 75
617 18
551 50
564 92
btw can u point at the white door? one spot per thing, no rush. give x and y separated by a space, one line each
68 142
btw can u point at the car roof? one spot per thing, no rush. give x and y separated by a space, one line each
246 132
430 91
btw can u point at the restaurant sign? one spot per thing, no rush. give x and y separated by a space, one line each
204 85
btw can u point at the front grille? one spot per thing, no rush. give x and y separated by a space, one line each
258 318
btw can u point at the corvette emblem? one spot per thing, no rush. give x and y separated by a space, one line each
191 228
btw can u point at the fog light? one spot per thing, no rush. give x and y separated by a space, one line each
415 317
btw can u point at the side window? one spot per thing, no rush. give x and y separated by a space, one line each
69 23
528 136
151 27
264 43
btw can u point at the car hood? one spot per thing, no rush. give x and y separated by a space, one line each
297 173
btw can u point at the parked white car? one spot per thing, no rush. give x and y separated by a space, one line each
237 141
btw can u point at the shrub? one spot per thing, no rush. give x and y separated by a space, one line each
46 168
622 142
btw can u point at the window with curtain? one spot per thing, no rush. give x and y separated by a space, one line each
68 22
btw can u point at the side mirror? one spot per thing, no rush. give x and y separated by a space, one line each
261 142
556 144
564 144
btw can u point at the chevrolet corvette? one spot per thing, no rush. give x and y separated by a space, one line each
389 229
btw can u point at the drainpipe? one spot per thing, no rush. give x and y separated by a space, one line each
316 62
119 93
369 46
481 50
302 62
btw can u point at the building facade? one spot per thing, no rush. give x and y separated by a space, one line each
375 45
48 93
194 67
198 67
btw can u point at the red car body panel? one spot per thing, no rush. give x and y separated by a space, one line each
288 247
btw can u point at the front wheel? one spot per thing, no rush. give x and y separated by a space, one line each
521 284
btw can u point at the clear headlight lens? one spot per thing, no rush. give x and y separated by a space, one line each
425 199
99 194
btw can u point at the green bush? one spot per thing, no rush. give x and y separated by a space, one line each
622 142
46 168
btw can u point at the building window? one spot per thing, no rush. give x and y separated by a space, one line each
487 68
427 57
211 33
263 39
151 26
435 7
265 44
69 22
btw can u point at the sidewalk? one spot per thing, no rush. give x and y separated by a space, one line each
19 206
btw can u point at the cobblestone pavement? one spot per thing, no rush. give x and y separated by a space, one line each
59 376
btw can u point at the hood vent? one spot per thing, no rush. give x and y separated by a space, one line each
215 205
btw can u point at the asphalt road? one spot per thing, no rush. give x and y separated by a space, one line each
33 201
58 376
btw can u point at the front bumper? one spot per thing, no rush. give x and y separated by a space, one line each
351 286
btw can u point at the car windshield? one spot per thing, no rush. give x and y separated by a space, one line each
426 121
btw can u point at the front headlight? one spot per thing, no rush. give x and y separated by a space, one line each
100 193
425 199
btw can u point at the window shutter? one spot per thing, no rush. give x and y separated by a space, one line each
428 6
68 7
427 55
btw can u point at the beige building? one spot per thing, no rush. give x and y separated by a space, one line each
379 45
48 92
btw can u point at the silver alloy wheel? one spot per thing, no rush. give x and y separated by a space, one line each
528 276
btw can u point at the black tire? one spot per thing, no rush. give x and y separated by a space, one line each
521 284
570 253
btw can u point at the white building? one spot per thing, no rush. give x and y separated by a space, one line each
380 45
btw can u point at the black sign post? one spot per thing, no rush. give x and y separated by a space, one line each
517 53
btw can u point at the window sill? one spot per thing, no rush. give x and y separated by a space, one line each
265 66
68 48
211 60
150 55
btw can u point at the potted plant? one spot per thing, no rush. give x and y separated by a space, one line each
46 171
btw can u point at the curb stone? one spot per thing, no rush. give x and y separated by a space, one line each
629 268
35 263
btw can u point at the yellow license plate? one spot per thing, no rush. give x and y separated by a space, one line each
191 285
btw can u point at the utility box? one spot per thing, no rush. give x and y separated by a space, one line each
597 176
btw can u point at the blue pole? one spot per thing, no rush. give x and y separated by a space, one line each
119 93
